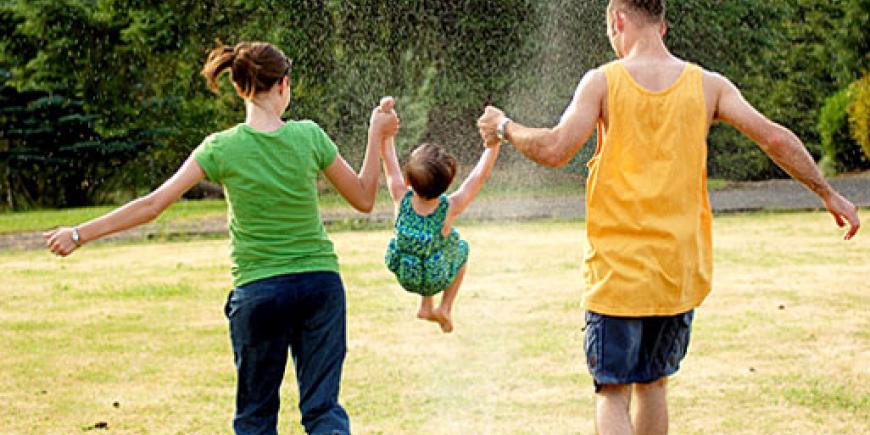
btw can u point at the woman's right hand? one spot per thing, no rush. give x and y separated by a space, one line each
60 241
384 122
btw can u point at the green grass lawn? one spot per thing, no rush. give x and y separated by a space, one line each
133 335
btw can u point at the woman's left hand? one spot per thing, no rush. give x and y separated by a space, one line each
60 241
384 121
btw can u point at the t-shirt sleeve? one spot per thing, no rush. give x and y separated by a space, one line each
324 148
206 155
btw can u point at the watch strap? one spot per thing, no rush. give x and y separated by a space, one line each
500 131
76 237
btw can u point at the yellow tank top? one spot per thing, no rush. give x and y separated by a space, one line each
648 217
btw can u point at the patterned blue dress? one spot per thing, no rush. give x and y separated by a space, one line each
424 261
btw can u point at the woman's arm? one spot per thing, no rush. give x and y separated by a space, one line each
134 213
359 190
461 199
395 180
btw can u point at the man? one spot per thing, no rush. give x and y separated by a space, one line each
649 239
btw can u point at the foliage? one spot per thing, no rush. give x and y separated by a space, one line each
837 145
50 152
132 67
849 47
850 41
859 113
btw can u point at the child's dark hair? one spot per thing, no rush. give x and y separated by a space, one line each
430 170
254 66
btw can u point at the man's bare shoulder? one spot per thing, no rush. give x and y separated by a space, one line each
594 80
714 78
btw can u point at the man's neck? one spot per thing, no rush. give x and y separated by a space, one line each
648 44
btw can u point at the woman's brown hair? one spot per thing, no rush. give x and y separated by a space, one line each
254 66
430 170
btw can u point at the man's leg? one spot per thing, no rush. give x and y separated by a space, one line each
652 408
612 403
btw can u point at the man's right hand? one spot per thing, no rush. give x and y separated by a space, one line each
843 211
488 125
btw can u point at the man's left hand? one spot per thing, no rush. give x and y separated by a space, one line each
843 211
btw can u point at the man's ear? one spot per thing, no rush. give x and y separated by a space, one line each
619 21
664 29
239 91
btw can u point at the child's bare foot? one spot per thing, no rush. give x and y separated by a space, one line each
442 316
439 316
425 313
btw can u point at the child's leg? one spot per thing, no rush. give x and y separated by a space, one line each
427 307
444 311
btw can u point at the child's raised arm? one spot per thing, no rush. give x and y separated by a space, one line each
460 199
395 179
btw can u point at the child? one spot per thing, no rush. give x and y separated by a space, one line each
426 254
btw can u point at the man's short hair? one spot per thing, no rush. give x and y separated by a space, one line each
650 10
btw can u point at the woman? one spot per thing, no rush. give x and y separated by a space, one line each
288 293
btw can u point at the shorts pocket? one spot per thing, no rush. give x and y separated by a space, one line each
592 341
682 328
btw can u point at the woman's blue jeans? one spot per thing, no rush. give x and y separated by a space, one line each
305 314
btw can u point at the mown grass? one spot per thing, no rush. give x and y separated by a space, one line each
40 220
780 346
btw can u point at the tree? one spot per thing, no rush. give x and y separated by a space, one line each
50 153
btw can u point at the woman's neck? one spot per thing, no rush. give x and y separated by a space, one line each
261 116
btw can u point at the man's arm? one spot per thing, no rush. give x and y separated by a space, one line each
554 146
785 148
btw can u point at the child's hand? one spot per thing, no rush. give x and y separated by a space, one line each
384 121
492 144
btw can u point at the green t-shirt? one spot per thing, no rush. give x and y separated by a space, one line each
270 182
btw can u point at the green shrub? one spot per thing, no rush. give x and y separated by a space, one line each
859 113
840 152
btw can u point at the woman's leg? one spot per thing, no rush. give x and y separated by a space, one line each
318 346
260 343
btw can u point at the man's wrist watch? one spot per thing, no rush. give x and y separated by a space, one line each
502 125
76 237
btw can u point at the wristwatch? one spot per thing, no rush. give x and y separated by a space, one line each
502 125
76 238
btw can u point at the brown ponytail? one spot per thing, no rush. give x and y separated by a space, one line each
254 66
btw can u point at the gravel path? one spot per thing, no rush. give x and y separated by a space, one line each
764 195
